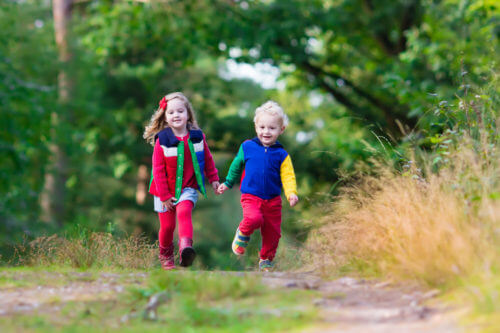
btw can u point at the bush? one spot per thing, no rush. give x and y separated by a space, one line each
435 219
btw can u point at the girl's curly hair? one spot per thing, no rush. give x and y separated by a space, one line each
158 121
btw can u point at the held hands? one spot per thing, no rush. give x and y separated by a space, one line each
169 203
293 199
222 188
215 186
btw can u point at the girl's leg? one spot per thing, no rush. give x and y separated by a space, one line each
167 227
271 228
184 215
186 251
165 238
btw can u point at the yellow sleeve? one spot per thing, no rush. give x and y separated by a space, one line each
288 177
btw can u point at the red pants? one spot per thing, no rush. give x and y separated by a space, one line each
266 215
183 210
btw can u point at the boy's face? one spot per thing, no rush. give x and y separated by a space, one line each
268 128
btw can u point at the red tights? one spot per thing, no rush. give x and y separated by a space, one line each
183 211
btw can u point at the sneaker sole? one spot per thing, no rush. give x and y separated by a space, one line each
187 257
233 244
238 254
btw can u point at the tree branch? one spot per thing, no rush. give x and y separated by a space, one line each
409 19
390 113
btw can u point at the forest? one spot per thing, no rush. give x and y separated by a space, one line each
382 96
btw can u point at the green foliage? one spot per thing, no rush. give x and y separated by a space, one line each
349 69
27 96
380 60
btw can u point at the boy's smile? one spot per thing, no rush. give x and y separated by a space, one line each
268 128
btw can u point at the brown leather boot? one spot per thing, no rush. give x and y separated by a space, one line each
186 252
166 257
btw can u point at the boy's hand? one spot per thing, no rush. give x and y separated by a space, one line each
215 186
169 203
222 188
293 199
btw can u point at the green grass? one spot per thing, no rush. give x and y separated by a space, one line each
482 298
196 301
12 277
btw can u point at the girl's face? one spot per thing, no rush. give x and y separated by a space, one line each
268 128
176 115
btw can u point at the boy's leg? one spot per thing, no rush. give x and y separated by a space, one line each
252 219
252 215
271 228
184 215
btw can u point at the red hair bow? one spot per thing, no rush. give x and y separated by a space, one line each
163 103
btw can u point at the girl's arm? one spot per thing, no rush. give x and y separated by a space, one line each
210 169
160 173
288 180
235 169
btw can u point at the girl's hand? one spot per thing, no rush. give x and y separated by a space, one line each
222 188
169 203
215 186
293 199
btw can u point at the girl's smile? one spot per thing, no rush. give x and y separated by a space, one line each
176 116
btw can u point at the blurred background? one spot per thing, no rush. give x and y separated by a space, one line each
79 80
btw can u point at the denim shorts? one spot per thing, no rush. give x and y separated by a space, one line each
188 193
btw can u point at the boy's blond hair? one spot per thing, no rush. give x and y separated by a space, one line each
271 107
158 121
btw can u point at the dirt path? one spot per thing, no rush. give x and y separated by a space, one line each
352 305
345 305
56 289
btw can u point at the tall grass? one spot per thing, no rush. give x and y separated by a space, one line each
436 221
90 249
429 228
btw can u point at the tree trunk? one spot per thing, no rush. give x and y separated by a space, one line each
52 197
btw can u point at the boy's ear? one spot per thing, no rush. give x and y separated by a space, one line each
282 129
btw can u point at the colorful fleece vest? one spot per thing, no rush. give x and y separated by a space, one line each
264 170
174 148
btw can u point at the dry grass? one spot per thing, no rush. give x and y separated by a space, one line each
100 250
433 228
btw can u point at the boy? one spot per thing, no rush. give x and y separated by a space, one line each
266 167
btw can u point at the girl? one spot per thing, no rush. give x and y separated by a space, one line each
180 159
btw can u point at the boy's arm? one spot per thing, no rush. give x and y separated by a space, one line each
288 177
236 168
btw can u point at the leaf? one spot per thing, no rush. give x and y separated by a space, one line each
437 159
494 195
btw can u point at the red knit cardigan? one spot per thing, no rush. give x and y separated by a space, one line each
163 184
